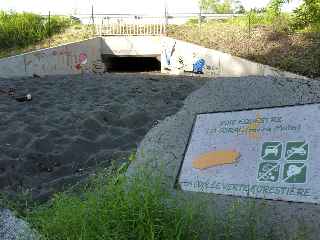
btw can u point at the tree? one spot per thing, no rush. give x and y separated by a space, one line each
216 6
308 14
205 5
275 6
238 7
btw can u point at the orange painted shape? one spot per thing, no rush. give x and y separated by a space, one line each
215 158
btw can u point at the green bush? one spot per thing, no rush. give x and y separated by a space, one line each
307 16
23 29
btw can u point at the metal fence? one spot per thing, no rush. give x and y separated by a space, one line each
127 29
141 24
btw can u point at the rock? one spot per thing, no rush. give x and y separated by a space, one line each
12 228
163 147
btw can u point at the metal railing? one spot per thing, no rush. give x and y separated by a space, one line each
127 29
140 24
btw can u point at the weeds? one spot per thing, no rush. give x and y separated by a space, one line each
113 206
108 209
23 29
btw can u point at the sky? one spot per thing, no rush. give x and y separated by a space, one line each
118 6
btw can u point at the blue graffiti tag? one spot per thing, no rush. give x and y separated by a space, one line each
198 66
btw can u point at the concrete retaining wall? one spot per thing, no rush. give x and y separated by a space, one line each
178 57
72 58
132 46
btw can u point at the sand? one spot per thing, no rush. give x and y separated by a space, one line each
77 124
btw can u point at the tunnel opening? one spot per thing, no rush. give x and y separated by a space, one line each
131 63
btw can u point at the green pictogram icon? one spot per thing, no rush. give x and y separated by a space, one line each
294 173
297 151
268 172
271 151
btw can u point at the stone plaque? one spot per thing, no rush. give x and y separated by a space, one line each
269 153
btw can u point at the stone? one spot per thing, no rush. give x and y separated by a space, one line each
12 228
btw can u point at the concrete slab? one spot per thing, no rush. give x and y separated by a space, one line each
162 149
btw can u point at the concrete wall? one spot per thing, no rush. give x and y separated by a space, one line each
73 58
131 45
178 57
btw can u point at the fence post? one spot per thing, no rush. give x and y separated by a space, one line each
49 28
166 21
200 20
92 17
249 32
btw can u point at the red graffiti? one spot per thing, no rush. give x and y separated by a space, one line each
78 66
83 58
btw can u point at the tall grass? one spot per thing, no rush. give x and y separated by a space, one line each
112 206
109 209
23 29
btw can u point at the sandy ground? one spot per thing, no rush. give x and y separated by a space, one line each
75 124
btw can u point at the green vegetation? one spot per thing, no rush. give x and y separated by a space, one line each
307 16
221 7
113 206
23 29
77 32
108 209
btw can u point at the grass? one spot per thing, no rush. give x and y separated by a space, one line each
22 29
19 31
108 209
113 206
74 33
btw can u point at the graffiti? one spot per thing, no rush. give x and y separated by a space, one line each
198 66
181 63
61 61
97 67
168 53
83 60
55 61
179 58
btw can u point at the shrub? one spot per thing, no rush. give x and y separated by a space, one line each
23 29
308 15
